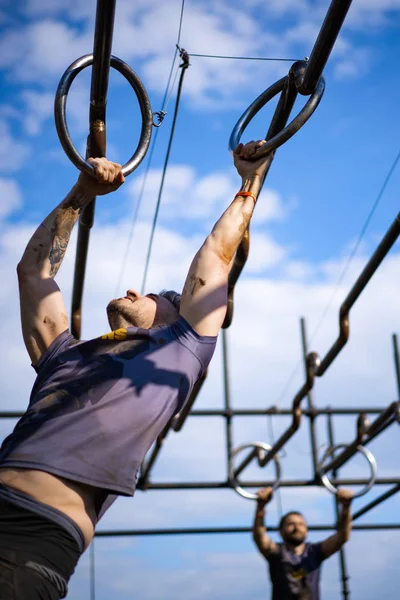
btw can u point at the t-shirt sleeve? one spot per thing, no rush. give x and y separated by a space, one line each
201 346
61 343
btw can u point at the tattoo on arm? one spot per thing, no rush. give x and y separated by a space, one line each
60 234
46 249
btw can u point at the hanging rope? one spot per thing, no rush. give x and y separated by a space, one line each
185 58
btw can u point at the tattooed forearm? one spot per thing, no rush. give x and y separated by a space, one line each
46 249
60 235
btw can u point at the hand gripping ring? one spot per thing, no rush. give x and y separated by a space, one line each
61 123
286 133
371 461
262 447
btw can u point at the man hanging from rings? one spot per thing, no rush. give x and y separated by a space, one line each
97 406
294 566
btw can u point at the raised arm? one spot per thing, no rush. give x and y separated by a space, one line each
43 314
333 543
263 542
204 297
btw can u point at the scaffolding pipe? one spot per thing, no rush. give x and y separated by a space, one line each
376 502
217 485
342 557
96 144
310 403
237 412
216 530
384 420
326 39
396 363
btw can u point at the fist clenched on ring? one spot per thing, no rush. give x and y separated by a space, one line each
264 496
107 178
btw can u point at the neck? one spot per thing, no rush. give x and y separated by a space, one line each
296 549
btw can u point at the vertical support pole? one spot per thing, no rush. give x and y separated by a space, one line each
396 363
227 400
310 402
342 556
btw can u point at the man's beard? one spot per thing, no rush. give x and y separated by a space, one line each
295 540
120 315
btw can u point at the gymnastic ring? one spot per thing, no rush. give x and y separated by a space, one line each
290 129
371 461
61 122
232 478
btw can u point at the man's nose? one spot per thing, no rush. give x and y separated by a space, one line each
133 294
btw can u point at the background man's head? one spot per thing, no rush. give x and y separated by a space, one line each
293 528
152 310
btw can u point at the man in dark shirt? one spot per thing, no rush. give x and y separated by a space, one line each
97 406
295 565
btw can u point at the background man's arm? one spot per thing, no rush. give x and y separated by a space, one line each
43 314
333 543
204 297
263 542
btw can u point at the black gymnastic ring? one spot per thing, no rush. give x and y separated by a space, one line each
61 122
290 129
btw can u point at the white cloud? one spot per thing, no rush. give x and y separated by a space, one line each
201 198
10 197
13 153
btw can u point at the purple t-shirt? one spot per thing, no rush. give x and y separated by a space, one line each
295 577
96 407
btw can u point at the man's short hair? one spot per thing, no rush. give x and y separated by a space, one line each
172 296
292 512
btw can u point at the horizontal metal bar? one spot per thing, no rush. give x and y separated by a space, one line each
216 485
375 502
245 412
216 530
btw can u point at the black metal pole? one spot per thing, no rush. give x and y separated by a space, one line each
375 502
374 262
310 403
227 400
382 422
216 530
218 485
279 120
342 557
96 144
323 46
396 363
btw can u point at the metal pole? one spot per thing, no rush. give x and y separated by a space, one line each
382 422
375 502
342 557
323 46
96 144
259 412
218 485
227 400
396 363
311 408
214 530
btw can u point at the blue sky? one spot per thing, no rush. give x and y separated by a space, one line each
318 194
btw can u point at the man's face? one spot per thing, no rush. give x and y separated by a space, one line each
294 530
140 311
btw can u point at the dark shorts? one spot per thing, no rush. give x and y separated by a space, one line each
20 582
38 555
